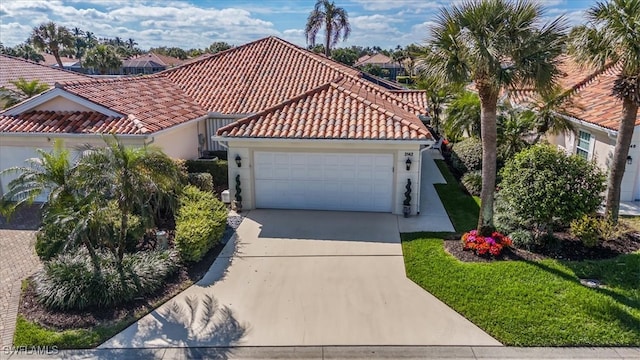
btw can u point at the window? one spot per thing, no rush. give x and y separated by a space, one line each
584 144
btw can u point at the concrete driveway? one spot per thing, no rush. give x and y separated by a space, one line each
306 278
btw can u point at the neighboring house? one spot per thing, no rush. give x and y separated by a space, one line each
307 132
150 63
597 125
68 63
384 62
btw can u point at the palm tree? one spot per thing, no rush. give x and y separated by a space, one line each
103 58
51 37
549 112
131 44
611 40
438 94
132 177
79 42
27 52
335 21
90 39
49 174
496 44
25 90
463 116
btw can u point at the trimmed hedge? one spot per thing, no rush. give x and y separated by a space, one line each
70 282
466 155
219 169
203 181
200 223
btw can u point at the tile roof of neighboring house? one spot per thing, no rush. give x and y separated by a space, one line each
69 122
591 93
50 60
377 59
152 60
416 97
154 101
13 68
336 110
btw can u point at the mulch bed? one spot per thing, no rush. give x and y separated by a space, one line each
31 309
566 248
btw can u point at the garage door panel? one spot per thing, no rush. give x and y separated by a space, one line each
321 181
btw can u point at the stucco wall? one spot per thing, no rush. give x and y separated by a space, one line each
181 142
61 104
246 148
602 148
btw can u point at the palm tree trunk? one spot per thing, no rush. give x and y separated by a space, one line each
489 135
56 54
627 124
327 40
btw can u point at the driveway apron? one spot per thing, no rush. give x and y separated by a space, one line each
296 278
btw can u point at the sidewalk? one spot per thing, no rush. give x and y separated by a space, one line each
344 352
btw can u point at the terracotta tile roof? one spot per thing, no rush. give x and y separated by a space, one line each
153 101
256 76
336 110
13 68
152 60
416 97
591 93
69 122
376 59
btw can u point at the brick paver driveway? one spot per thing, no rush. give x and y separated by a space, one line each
17 261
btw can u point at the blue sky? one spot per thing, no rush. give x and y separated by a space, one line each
196 24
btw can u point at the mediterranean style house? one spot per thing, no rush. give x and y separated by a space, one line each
597 124
301 131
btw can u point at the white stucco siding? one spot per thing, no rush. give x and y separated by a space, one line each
182 141
399 151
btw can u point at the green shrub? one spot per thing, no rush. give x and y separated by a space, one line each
550 189
51 238
219 170
586 229
522 239
200 223
466 155
70 282
203 181
472 182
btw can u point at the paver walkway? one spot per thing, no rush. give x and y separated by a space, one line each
18 260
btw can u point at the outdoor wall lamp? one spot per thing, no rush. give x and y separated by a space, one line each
629 160
408 162
238 160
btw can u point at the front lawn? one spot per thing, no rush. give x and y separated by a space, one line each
527 303
538 303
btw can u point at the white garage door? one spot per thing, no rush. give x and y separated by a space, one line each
351 182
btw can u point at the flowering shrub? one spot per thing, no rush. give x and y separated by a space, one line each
485 245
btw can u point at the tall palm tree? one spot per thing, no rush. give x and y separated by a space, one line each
51 37
496 44
79 43
612 39
90 39
131 44
103 58
335 21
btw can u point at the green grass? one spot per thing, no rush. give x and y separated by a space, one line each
526 303
463 209
533 303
